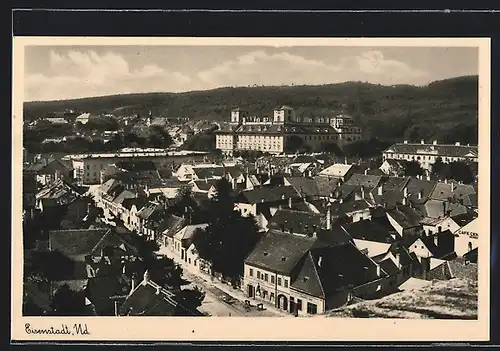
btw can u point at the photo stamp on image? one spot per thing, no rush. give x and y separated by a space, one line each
329 185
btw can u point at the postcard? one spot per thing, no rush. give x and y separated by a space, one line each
250 189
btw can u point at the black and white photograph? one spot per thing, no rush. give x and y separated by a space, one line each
293 179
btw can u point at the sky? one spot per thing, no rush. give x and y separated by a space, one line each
67 72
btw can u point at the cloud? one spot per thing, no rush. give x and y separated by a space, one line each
79 74
87 73
262 68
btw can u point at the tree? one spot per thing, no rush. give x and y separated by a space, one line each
191 298
47 266
165 272
30 308
460 171
438 168
413 169
229 237
67 302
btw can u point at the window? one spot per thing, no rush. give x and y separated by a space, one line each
271 297
279 281
299 305
88 166
272 279
266 277
250 272
258 275
312 308
286 283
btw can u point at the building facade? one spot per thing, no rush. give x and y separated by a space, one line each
280 133
426 154
87 167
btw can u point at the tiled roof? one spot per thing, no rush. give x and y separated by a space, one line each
302 185
187 233
279 252
389 267
85 241
125 194
296 221
445 191
370 230
405 216
171 225
368 181
437 208
205 185
338 267
267 194
326 186
144 301
139 202
436 150
445 246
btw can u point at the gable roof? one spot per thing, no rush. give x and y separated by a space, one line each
370 230
296 221
144 301
338 267
266 194
405 216
205 185
438 208
366 180
445 191
445 247
326 186
459 268
188 231
77 242
279 252
372 248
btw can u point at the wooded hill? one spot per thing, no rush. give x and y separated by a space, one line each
444 110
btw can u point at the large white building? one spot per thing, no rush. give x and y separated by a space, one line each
426 154
274 135
87 167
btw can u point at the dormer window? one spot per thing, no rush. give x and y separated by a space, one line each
283 259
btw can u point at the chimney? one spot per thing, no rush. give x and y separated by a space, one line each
404 201
319 261
452 186
290 202
434 142
380 190
366 171
436 240
89 206
132 283
362 192
398 260
422 142
146 277
158 290
457 143
124 269
406 141
444 208
445 181
405 192
420 194
329 217
379 271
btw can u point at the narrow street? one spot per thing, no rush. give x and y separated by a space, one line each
221 301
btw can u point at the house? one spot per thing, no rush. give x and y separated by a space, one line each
354 209
188 172
183 239
80 244
298 222
302 169
462 268
29 191
437 208
57 194
307 275
440 246
49 171
338 170
467 237
149 299
406 221
206 186
83 118
171 225
426 154
251 201
393 167
435 225
236 176
131 207
372 231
